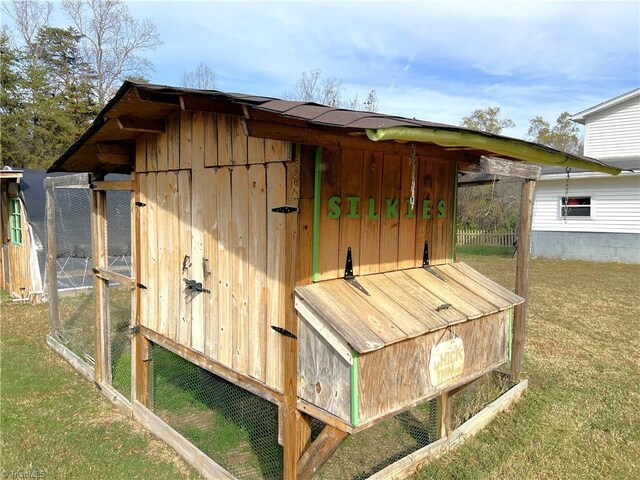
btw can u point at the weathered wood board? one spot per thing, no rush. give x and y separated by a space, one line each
209 191
384 207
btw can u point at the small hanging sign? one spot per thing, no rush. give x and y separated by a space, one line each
446 361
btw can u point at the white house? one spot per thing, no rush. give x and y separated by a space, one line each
601 218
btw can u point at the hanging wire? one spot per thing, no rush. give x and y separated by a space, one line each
412 163
565 206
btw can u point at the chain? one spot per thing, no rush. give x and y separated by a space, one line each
412 164
565 207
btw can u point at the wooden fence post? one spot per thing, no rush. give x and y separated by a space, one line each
100 285
52 266
522 275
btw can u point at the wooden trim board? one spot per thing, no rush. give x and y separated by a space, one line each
413 462
82 367
243 381
189 452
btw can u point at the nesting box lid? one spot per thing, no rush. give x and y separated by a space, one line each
387 308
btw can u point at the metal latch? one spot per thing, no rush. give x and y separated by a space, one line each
194 286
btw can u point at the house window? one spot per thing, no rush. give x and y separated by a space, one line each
15 221
575 207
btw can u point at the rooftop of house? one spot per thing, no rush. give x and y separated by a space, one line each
581 116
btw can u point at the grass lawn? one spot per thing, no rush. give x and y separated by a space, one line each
54 422
578 419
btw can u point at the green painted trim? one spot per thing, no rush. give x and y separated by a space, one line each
510 332
355 403
316 216
511 147
455 215
15 221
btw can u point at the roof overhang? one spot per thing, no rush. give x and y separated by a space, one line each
108 146
580 116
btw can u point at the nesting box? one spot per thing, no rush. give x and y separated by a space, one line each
398 339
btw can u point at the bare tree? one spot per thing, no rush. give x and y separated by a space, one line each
311 87
29 17
202 77
113 41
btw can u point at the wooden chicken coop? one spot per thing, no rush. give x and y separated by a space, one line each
19 269
304 253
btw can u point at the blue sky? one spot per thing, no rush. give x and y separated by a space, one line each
432 60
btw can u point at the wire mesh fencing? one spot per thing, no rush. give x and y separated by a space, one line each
369 451
235 428
478 395
74 263
75 326
120 337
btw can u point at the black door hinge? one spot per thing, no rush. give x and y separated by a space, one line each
350 277
284 331
285 209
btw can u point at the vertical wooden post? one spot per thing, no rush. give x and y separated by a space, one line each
100 285
522 276
297 427
139 344
52 267
443 415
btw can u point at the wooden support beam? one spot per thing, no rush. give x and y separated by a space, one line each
143 125
190 453
248 383
522 278
52 264
80 366
156 97
115 277
116 153
443 415
100 286
113 185
320 450
297 428
325 138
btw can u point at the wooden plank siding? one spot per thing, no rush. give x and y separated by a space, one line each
383 231
208 192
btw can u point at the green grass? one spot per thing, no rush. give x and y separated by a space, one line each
53 421
579 417
474 250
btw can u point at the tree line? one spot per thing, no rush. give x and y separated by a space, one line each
54 80
495 206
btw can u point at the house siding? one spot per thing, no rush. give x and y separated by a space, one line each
614 132
615 205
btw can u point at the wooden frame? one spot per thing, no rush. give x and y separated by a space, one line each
413 462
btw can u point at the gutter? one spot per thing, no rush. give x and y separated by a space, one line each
519 149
